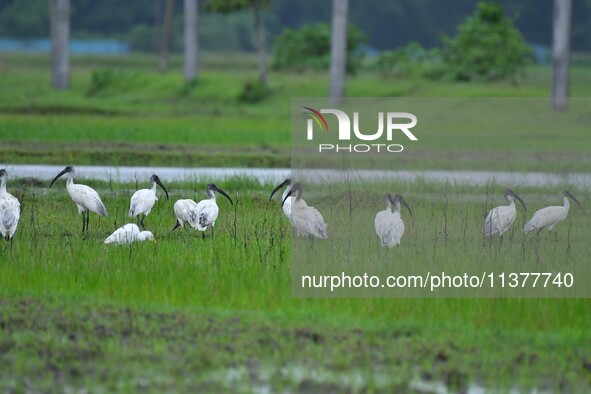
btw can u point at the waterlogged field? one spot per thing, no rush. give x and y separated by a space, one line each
189 314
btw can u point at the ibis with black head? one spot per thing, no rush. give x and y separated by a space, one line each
86 199
143 200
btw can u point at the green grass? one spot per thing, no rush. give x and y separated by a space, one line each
183 313
139 106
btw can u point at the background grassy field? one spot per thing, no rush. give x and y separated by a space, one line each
120 111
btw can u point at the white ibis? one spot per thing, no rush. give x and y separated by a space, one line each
305 219
186 212
388 225
550 216
129 233
204 214
85 198
287 204
143 200
501 218
10 210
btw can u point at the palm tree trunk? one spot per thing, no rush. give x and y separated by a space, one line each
260 38
60 37
338 51
166 36
191 41
561 54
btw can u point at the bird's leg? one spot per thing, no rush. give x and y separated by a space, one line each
212 232
177 225
142 222
10 245
83 223
87 220
501 240
203 234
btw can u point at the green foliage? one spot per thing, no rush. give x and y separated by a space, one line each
107 81
229 6
411 61
100 80
24 19
142 38
487 47
309 48
253 92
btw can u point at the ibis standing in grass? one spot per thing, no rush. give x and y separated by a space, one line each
86 199
201 215
501 218
287 204
389 225
10 210
307 220
129 233
550 216
143 200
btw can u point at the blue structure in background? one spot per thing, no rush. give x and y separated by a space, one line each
99 47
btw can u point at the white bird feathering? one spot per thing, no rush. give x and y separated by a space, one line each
388 224
307 220
10 209
185 211
86 199
143 200
550 216
127 234
501 218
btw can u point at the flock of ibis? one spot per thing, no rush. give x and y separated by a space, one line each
306 220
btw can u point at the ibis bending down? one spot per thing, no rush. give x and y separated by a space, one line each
306 220
85 198
389 226
10 210
287 204
185 212
143 200
550 216
501 218
129 233
202 215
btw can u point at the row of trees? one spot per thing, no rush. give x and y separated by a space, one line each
487 24
387 24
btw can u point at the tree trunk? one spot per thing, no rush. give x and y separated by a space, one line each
260 34
191 41
338 51
59 11
166 35
561 54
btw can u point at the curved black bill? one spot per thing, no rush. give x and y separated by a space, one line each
280 186
163 188
57 177
569 195
286 197
225 195
521 201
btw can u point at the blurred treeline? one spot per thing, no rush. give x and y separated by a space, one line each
386 23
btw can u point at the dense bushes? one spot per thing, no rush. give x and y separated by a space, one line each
487 47
309 48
